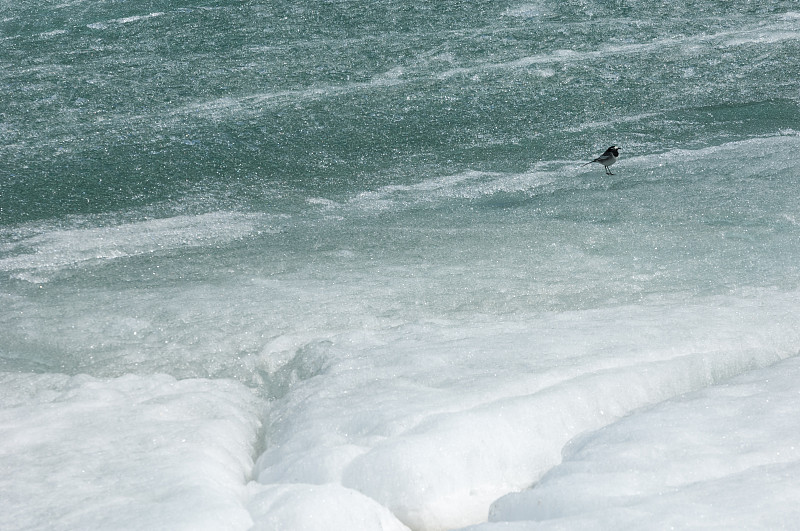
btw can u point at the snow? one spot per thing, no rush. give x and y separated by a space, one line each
317 508
430 427
436 423
126 453
264 265
725 457
399 420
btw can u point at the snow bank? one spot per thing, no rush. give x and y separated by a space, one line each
436 423
317 508
448 469
726 457
125 453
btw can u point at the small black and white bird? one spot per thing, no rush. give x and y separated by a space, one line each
608 158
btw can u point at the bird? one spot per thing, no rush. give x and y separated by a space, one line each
608 158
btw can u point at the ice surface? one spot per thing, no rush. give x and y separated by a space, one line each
410 384
39 250
126 453
317 508
440 425
373 215
726 457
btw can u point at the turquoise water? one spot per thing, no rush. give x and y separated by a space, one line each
317 197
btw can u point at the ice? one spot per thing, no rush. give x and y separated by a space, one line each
726 457
436 423
126 453
338 266
317 508
41 249
123 20
407 384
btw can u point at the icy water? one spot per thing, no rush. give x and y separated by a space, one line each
338 265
